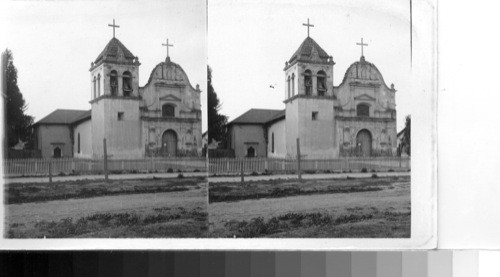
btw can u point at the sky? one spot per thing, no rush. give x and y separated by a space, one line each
54 42
249 42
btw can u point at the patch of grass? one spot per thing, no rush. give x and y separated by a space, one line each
121 225
42 192
230 192
258 227
361 223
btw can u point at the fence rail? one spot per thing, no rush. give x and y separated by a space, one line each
29 167
233 165
34 167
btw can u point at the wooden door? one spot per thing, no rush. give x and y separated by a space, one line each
364 143
169 143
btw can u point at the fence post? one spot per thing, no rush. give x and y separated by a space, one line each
298 160
105 161
400 158
50 171
242 173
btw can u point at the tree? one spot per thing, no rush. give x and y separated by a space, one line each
406 140
216 121
18 124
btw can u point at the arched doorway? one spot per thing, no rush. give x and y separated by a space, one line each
250 152
57 152
169 144
364 143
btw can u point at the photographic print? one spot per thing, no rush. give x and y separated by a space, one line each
104 119
313 105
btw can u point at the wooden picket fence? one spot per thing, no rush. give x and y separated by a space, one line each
40 167
260 165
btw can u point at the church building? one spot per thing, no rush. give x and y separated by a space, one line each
161 118
355 118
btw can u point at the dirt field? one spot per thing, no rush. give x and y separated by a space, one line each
316 208
122 208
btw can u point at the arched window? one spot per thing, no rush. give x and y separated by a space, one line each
95 87
250 152
363 110
113 82
57 153
127 83
293 84
308 82
288 86
321 83
168 110
272 142
78 143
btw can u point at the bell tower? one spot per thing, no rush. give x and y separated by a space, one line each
115 101
309 101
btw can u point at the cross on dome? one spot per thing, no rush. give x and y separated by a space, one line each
362 44
167 45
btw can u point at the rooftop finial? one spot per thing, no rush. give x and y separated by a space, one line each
362 44
167 45
114 26
308 25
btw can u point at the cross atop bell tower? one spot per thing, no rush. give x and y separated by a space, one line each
114 26
308 26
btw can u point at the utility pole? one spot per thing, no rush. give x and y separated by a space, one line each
105 161
298 160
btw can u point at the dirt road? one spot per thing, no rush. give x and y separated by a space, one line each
339 203
30 213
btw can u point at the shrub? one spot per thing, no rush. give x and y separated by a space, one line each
364 170
373 170
255 173
374 175
180 176
170 170
390 170
196 170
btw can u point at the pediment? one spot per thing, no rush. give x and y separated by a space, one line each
364 97
170 97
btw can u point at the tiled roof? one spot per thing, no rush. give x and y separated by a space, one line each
115 51
61 116
257 116
277 116
306 49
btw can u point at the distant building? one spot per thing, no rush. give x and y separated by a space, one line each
162 118
355 118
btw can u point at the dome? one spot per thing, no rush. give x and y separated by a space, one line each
363 71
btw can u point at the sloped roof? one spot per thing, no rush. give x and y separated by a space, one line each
257 116
65 117
115 51
306 50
